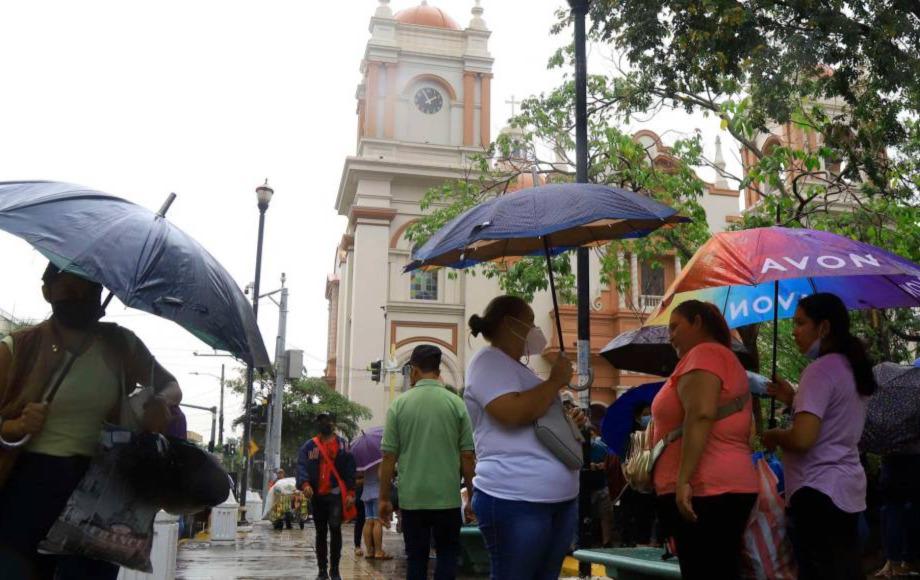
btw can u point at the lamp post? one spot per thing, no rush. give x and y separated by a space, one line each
220 420
264 196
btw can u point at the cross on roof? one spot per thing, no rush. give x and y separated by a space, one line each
512 102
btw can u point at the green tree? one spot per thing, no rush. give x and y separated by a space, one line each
756 62
304 399
845 71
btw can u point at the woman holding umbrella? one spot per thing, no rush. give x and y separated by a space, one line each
825 482
37 479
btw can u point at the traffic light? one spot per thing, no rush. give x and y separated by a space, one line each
376 367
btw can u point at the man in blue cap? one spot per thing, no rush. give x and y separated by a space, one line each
428 433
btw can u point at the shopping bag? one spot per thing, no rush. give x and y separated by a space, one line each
767 553
104 518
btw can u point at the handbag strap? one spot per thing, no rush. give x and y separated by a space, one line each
730 408
57 378
335 472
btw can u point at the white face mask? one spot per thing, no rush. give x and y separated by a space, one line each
814 351
535 342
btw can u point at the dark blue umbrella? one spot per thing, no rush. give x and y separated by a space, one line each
620 417
571 215
143 259
547 220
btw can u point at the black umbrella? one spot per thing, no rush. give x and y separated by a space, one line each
893 412
648 350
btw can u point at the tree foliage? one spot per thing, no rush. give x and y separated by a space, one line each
304 400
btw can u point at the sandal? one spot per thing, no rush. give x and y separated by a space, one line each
383 556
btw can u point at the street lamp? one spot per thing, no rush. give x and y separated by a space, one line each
220 432
264 195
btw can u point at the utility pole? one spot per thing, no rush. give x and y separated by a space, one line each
274 427
220 432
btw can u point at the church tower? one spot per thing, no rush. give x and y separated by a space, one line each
423 108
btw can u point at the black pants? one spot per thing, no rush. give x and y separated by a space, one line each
635 517
710 548
419 526
359 522
327 517
30 502
824 537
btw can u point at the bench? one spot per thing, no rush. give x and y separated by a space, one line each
631 563
473 552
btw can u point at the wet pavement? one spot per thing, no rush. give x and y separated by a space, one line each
286 554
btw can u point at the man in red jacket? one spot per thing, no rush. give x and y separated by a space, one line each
326 474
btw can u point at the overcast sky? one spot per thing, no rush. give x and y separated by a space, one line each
207 99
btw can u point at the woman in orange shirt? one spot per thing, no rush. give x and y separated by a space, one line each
705 480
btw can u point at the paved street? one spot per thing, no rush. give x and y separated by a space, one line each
288 554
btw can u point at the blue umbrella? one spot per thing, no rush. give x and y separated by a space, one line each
620 417
571 215
547 220
143 259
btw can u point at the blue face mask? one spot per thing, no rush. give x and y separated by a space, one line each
814 351
644 421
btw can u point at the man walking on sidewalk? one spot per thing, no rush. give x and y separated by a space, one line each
428 433
326 474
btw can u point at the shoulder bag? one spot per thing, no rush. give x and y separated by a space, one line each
558 433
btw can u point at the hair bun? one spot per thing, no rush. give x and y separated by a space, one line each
476 324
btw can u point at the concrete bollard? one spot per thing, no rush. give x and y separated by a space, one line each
253 506
223 521
163 553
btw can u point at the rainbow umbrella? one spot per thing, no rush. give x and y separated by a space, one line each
760 274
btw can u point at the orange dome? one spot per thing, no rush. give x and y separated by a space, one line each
525 180
425 15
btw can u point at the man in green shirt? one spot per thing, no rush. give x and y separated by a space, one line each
428 433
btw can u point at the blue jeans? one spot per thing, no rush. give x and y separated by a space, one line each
526 540
370 509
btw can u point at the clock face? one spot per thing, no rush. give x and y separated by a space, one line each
429 100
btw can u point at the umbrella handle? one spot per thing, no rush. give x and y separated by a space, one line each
14 444
583 386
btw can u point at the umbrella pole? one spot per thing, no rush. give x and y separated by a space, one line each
552 291
779 207
775 340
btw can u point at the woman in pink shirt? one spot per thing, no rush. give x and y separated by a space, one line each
825 482
705 480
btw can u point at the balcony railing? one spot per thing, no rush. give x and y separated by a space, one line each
649 301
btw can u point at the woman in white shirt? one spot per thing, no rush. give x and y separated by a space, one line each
525 498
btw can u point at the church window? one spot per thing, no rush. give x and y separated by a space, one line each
652 279
424 285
